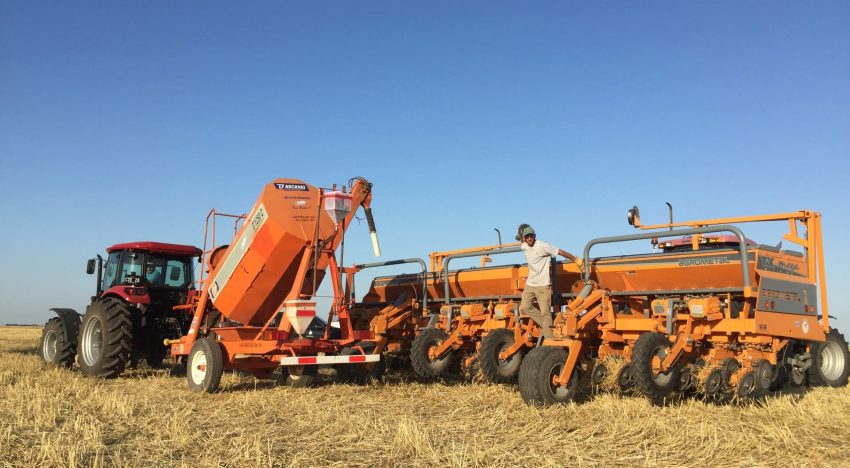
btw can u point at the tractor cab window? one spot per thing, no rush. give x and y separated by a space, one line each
132 265
176 275
168 271
110 269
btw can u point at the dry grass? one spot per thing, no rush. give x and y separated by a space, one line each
52 417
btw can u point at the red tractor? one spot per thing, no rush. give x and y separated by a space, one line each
140 290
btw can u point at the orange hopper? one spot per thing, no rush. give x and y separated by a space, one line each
271 257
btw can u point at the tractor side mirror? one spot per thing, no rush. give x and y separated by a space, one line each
175 274
90 266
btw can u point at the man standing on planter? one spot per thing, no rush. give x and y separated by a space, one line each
538 286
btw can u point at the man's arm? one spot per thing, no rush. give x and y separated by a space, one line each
566 255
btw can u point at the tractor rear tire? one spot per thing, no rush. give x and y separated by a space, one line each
58 344
205 366
830 361
106 338
360 374
648 347
493 368
427 340
536 375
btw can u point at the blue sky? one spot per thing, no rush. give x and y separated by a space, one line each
123 121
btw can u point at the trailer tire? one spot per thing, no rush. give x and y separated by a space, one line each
536 372
58 345
106 338
830 361
494 369
648 347
428 339
301 376
360 374
205 366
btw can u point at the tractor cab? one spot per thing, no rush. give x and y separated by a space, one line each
151 278
147 272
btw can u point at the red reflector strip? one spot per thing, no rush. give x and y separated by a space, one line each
313 360
305 313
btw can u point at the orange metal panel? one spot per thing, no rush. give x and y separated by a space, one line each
789 325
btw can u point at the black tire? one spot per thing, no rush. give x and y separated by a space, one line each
106 338
205 366
830 361
625 380
426 340
360 374
58 345
538 368
301 376
494 369
654 385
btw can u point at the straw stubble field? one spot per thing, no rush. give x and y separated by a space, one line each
53 417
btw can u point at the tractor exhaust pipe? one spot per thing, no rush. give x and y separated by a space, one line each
670 209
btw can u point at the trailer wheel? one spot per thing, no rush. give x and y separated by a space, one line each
830 361
106 338
649 350
58 344
427 340
301 376
360 373
494 369
537 373
206 364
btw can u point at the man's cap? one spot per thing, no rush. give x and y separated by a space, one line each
528 230
521 231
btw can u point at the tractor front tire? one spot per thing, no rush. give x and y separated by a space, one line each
58 344
106 338
205 366
420 354
830 361
494 369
